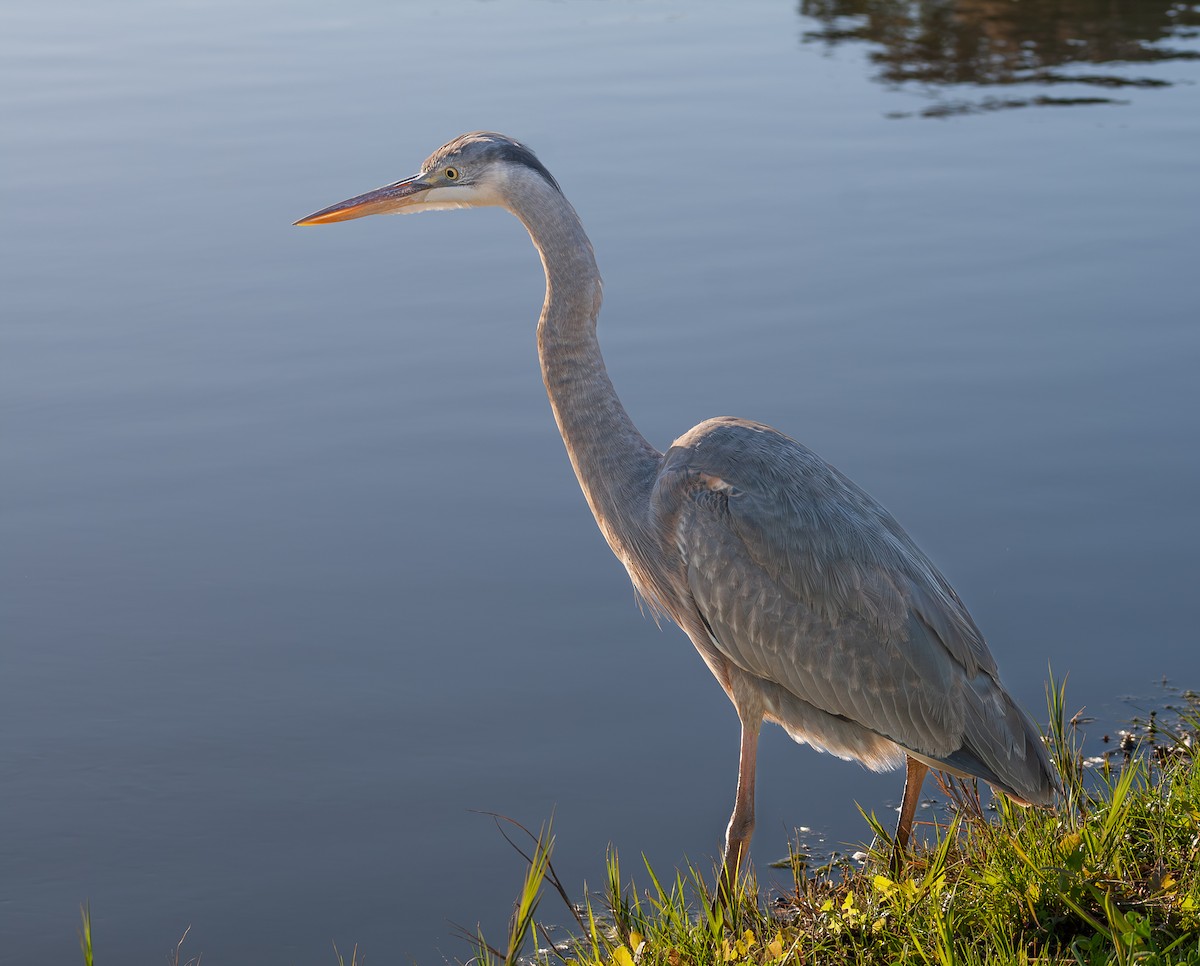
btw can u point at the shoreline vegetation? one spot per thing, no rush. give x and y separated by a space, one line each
1112 876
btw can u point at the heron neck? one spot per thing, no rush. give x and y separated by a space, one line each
613 461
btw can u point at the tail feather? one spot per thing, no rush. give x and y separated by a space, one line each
1002 746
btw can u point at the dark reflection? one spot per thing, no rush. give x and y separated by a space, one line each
1000 43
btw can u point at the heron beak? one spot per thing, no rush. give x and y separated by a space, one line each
382 201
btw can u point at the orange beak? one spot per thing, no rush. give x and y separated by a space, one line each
382 201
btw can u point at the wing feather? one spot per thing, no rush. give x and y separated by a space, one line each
807 583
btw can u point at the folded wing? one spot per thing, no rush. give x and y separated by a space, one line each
809 585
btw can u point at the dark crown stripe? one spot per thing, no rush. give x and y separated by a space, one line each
487 146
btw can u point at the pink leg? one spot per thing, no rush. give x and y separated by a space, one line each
741 824
914 777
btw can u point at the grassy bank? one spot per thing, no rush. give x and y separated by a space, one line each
1110 877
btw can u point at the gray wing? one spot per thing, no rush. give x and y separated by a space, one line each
808 584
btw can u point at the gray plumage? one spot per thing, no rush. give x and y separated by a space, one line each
808 602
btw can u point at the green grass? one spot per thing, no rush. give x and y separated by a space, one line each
1109 877
85 933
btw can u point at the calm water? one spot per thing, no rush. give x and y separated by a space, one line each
296 573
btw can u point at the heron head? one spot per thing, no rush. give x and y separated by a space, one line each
472 171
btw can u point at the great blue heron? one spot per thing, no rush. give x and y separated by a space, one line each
805 598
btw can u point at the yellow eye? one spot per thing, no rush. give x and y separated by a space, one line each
452 174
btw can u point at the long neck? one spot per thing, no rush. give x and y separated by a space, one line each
614 463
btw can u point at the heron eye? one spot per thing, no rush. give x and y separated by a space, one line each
452 174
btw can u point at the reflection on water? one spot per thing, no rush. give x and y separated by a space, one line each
997 43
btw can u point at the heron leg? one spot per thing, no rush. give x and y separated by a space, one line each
741 823
914 777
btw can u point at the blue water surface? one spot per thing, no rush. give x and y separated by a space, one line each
295 571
